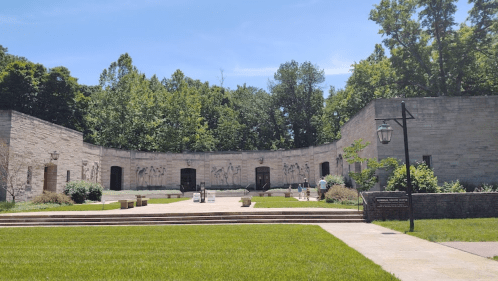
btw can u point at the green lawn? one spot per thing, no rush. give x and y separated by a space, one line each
233 252
445 230
282 202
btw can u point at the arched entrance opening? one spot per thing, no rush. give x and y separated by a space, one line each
50 178
262 178
324 169
188 179
116 178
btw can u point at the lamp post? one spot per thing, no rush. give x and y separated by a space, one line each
385 132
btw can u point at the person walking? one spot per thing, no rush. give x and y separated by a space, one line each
300 190
323 188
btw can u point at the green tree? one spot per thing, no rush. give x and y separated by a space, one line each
366 179
430 57
297 92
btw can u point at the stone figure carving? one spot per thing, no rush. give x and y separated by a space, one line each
90 172
226 177
295 173
150 176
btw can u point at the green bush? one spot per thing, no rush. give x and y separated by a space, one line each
486 188
423 179
452 187
79 191
51 197
334 180
342 195
95 192
4 206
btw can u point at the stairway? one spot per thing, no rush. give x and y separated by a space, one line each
183 218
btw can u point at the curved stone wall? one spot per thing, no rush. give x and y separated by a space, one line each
218 170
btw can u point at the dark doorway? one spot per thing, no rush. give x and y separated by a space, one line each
262 178
188 179
324 169
50 178
116 176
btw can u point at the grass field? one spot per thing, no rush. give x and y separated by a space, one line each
446 230
290 202
234 252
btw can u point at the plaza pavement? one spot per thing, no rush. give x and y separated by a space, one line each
407 257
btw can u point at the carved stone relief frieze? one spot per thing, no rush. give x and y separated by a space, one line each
295 174
90 171
151 176
230 176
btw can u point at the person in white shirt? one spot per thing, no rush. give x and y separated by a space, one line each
323 188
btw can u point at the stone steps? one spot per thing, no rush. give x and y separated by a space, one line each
182 218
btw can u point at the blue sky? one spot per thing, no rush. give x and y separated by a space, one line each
247 39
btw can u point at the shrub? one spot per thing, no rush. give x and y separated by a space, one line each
423 179
51 197
486 188
334 180
77 191
341 194
452 187
4 206
95 192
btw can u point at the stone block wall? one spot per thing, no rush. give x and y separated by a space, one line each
361 126
434 206
460 134
32 140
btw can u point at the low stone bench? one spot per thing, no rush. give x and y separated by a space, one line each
178 195
246 201
288 194
125 204
141 200
262 194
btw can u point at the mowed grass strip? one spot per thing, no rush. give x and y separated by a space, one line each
234 252
446 230
290 202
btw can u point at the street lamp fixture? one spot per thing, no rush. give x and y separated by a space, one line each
54 155
384 132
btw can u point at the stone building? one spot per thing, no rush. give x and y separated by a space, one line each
456 136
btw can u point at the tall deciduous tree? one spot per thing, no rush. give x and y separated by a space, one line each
297 91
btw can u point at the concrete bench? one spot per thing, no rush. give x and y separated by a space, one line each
288 194
178 195
246 201
125 204
262 194
141 200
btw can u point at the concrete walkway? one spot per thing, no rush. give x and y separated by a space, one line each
407 257
412 258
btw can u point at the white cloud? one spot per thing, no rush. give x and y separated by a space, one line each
337 70
263 71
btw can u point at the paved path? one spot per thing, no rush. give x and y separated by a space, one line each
483 249
412 258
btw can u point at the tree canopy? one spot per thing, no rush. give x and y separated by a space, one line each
425 52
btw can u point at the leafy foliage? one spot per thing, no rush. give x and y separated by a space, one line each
342 195
51 197
79 191
422 177
334 180
452 187
366 179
